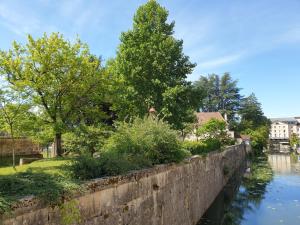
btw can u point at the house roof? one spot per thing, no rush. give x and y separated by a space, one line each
204 117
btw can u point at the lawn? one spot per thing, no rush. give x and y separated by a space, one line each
51 166
47 179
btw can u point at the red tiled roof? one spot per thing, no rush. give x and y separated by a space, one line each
204 117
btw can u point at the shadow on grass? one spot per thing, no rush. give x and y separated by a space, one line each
48 187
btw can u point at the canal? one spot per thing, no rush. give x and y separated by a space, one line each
266 194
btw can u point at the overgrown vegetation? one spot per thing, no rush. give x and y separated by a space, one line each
46 179
140 144
215 130
201 147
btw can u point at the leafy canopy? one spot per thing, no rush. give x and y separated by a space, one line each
58 76
221 94
214 129
150 69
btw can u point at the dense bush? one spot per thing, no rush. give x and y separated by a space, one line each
137 145
85 139
201 147
86 167
259 138
215 129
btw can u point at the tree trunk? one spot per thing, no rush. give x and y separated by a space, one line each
47 151
57 145
13 145
13 152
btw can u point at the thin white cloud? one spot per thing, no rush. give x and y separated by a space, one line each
19 23
220 61
215 38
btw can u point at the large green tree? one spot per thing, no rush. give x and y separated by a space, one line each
221 94
58 76
150 69
254 123
251 113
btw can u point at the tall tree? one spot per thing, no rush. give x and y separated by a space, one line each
59 76
251 113
150 69
254 123
221 94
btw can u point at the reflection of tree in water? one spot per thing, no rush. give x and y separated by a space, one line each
230 206
252 191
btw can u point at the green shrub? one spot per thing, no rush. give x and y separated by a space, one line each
152 139
213 144
137 145
85 139
201 147
86 167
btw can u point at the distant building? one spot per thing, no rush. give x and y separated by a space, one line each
203 118
283 128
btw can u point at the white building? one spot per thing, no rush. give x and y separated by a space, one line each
283 128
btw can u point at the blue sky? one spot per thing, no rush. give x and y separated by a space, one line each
257 41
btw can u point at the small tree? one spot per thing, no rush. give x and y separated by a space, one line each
259 137
13 116
294 140
214 129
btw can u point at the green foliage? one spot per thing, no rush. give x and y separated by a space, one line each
221 94
294 140
261 173
259 138
59 77
15 115
137 145
152 138
201 147
85 139
45 179
70 213
251 113
214 129
150 69
254 123
86 167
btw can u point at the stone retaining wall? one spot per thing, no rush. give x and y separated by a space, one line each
176 194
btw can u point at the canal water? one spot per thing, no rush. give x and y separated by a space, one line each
266 194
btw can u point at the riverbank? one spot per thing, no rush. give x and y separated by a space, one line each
166 194
268 195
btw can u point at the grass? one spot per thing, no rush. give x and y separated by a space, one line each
48 179
50 166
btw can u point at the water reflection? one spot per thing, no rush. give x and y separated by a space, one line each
242 194
284 163
280 163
